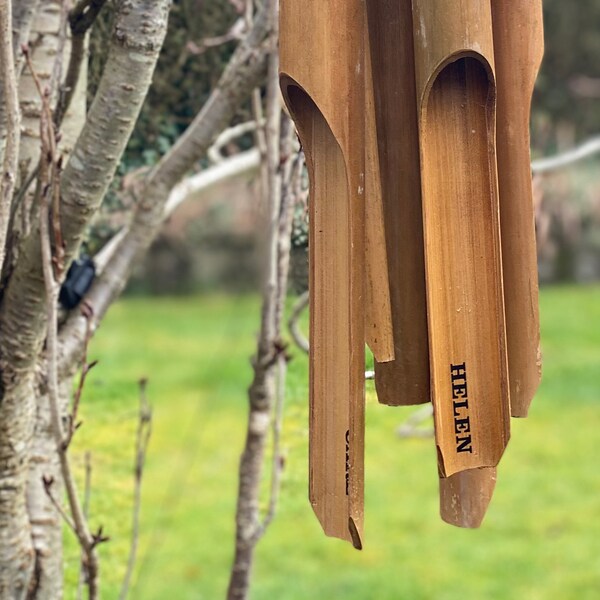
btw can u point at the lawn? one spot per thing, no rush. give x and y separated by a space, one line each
541 538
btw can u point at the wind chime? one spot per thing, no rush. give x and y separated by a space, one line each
414 118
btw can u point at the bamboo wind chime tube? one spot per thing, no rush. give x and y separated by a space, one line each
404 381
322 80
518 50
456 99
378 311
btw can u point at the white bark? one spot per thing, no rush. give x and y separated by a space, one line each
140 26
46 523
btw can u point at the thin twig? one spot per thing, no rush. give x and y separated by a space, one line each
81 19
144 432
277 461
61 511
87 494
50 168
88 313
49 178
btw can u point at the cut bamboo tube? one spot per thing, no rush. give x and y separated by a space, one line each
518 49
322 80
465 497
404 381
456 99
378 312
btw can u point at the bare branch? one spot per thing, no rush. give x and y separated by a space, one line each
9 155
87 494
133 52
59 508
244 163
585 150
227 136
86 367
50 180
299 307
245 70
81 19
144 432
236 32
270 350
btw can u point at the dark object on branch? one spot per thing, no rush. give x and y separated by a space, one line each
79 280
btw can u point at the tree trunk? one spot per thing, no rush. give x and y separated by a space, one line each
260 397
43 43
16 553
139 30
46 523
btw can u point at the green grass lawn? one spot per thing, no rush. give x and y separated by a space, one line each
541 538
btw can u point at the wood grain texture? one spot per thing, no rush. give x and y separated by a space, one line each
322 80
378 311
518 49
466 496
404 381
456 96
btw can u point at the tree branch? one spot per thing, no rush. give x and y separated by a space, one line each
270 357
299 307
553 163
246 69
81 19
133 52
144 432
51 181
227 136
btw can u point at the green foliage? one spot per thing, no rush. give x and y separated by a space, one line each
541 539
182 80
572 49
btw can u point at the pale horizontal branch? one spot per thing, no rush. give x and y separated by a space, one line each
553 163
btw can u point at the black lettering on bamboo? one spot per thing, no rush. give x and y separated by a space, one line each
460 404
347 462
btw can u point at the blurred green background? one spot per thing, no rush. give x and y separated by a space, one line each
540 540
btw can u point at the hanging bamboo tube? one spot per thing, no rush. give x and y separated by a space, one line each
518 49
322 80
466 496
378 312
456 103
404 381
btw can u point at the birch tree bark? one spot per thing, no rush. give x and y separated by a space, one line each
46 523
139 29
